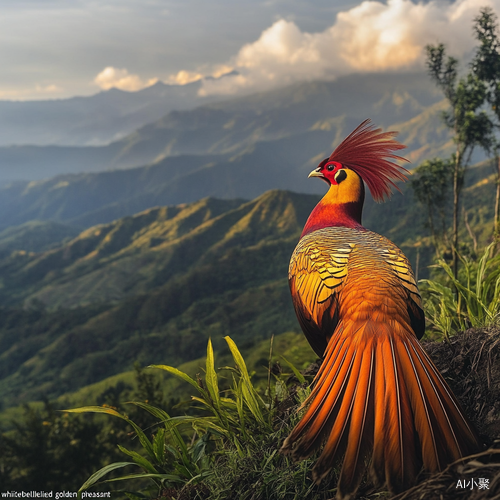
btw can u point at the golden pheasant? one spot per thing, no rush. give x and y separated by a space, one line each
377 399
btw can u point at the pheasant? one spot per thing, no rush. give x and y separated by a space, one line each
377 400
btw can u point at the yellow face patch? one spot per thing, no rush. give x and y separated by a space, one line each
349 187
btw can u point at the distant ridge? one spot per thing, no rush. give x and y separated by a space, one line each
88 199
92 120
231 126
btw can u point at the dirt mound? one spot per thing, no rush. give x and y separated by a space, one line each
470 363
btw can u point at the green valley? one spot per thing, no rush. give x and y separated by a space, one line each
150 288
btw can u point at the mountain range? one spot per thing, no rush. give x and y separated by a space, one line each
93 120
325 111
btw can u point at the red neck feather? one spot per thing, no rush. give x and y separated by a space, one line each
334 215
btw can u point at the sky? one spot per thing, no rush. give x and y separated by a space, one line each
61 48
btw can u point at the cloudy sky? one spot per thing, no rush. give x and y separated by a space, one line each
61 48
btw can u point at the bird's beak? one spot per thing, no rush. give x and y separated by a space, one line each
316 173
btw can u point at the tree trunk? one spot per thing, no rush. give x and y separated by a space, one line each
469 229
497 201
455 213
417 265
430 219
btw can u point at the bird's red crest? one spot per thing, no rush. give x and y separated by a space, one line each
369 151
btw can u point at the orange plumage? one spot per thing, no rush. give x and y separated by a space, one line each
378 399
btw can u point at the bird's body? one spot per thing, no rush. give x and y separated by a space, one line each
366 276
377 398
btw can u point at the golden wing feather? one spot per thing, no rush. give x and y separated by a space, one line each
316 275
402 269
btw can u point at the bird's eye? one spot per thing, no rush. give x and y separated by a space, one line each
340 176
330 167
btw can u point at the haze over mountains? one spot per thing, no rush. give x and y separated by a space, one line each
238 148
407 101
92 120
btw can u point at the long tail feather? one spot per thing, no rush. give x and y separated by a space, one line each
401 465
340 425
323 401
378 459
378 397
360 438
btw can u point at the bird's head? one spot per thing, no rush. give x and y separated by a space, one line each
364 155
345 184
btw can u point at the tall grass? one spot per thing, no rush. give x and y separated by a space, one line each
471 300
228 449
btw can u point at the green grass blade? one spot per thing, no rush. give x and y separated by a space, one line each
239 406
178 373
202 401
159 446
166 420
94 478
296 372
203 422
211 376
146 444
168 477
97 409
247 389
139 460
156 412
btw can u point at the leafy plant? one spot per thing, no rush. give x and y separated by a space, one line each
234 448
470 300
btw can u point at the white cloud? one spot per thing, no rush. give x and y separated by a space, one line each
183 77
38 92
372 36
121 79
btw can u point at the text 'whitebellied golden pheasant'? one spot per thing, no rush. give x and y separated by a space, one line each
378 400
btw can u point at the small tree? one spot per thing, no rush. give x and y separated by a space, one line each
430 183
486 67
470 125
